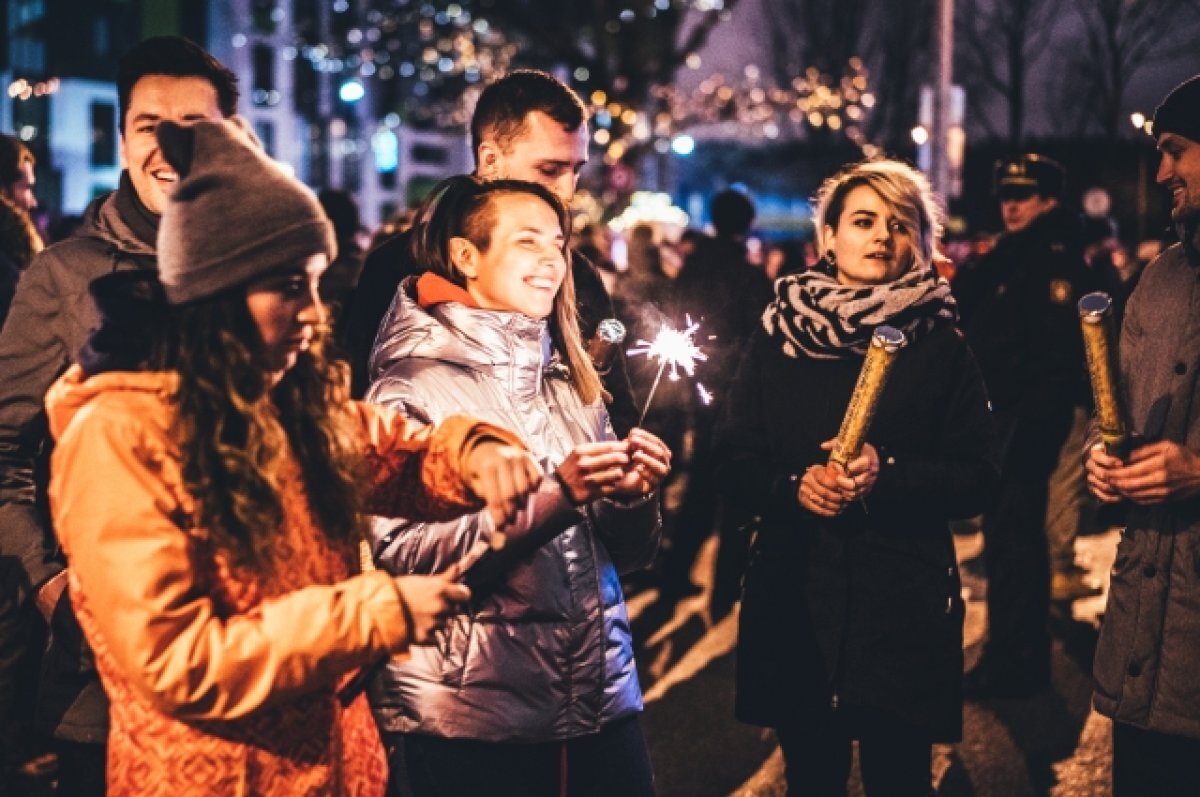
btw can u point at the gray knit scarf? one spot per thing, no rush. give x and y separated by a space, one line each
818 317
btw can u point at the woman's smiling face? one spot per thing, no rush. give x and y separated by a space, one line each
524 264
871 245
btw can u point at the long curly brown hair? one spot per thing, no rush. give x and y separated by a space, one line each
236 433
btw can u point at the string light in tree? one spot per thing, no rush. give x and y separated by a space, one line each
745 107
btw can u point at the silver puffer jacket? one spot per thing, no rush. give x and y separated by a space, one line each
545 652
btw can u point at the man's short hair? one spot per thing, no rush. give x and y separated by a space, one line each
502 107
13 153
732 213
174 56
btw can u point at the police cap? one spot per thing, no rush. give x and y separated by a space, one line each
1026 175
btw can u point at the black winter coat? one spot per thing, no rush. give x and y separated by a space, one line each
1018 307
863 610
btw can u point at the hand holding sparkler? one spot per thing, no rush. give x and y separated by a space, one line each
673 347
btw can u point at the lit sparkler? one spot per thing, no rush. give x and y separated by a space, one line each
674 347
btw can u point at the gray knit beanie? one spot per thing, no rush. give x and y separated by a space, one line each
235 215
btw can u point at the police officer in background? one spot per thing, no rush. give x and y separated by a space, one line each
1018 312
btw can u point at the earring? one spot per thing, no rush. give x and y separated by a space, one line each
829 256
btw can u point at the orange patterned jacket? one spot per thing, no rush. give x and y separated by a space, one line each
223 680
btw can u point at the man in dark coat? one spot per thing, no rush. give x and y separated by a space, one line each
1147 665
51 315
527 126
1018 311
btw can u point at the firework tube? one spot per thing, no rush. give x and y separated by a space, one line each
1099 341
610 333
885 342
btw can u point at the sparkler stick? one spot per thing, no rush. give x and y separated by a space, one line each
1099 342
673 347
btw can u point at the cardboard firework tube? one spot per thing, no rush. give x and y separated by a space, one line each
1099 342
885 342
609 334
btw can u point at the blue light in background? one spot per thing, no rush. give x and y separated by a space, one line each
683 145
386 148
351 91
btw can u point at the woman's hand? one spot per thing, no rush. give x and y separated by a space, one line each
827 489
428 601
650 461
860 474
502 476
594 470
819 492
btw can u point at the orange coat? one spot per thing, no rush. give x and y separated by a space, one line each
223 680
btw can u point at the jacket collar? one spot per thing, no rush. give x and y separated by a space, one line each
510 347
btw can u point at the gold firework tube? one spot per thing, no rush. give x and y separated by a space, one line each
885 342
1099 341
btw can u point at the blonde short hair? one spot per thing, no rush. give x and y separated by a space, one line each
904 189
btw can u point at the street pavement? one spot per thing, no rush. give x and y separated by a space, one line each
1052 744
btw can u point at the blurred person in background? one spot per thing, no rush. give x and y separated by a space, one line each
722 291
1019 315
342 275
19 237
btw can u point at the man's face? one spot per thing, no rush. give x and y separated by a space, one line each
20 192
156 98
544 152
1179 173
1018 212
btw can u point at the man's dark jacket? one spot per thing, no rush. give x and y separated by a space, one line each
1018 308
51 315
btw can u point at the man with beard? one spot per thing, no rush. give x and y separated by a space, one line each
1018 312
1147 665
52 312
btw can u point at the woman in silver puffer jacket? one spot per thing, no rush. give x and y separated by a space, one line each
534 687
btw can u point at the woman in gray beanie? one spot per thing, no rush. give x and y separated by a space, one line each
212 563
